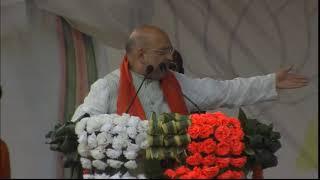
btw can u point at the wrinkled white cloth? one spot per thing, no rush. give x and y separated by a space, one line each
207 93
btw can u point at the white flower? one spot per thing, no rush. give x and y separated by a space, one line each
82 137
120 120
88 176
114 163
141 176
144 144
143 126
132 132
81 125
120 141
111 153
99 164
140 138
127 176
116 176
83 149
106 126
133 121
119 129
93 124
131 164
130 154
86 163
102 139
109 138
92 141
101 176
132 147
97 153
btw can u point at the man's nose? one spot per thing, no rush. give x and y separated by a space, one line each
169 57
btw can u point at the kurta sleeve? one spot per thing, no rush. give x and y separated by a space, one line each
209 94
96 100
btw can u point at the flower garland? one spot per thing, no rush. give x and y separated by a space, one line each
215 151
109 145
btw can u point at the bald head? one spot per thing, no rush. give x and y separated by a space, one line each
145 36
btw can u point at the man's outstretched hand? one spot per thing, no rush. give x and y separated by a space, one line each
286 80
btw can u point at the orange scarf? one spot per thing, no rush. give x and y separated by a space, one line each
169 85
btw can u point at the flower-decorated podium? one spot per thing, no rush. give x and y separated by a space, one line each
198 146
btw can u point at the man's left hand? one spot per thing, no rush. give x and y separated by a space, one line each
286 80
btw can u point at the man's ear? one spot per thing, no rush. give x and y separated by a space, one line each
141 56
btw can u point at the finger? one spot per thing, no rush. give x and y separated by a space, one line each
297 75
288 68
292 86
298 80
298 83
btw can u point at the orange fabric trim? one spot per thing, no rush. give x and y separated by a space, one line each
169 85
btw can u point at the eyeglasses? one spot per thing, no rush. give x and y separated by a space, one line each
166 51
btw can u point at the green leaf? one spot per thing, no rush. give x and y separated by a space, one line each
274 146
275 135
256 141
242 117
49 134
57 140
263 129
249 151
68 145
66 130
266 159
55 147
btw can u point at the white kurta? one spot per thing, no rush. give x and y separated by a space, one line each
207 93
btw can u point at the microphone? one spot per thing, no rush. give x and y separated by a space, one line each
163 68
149 70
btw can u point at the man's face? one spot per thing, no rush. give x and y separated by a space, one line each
159 52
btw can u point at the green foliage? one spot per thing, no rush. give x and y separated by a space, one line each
261 142
63 139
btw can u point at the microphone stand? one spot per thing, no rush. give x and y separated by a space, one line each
163 68
149 69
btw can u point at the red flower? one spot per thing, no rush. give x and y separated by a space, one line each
197 119
219 115
234 122
195 159
186 176
222 162
222 133
210 172
208 160
206 131
238 175
170 173
209 118
237 134
194 131
194 147
222 149
237 147
86 171
208 146
182 170
238 162
226 175
195 173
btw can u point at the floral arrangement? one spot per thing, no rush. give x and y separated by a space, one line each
209 145
261 143
167 136
109 145
64 140
215 151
